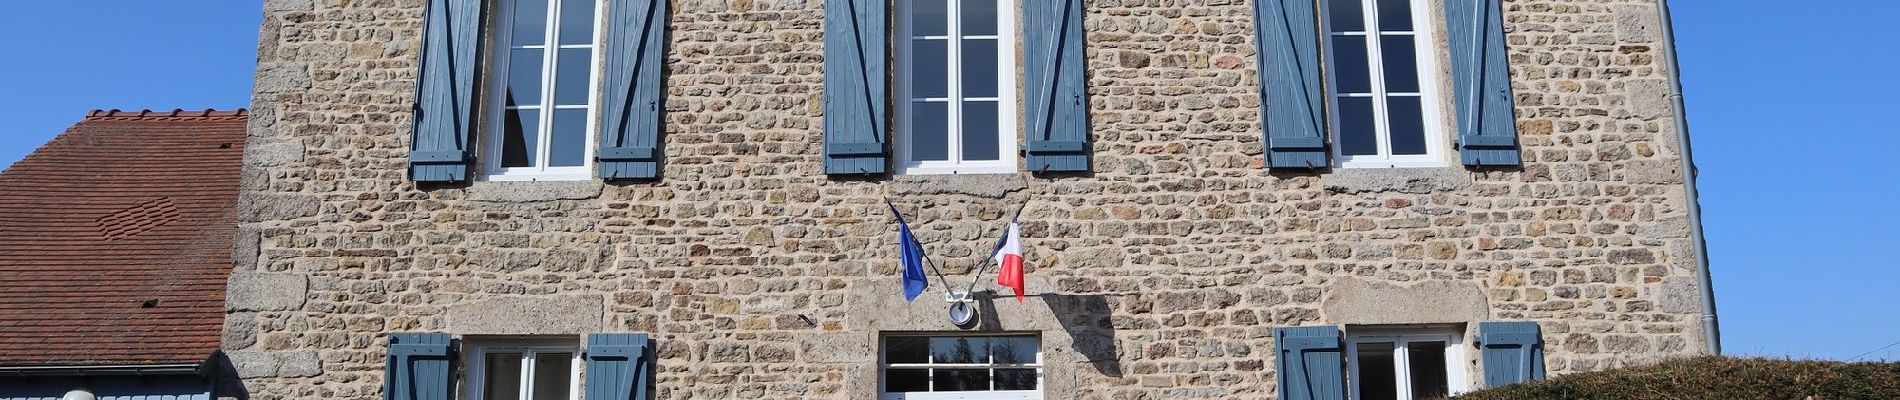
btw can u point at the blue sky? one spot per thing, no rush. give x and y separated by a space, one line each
1791 110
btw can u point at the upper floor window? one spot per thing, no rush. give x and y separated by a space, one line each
1384 78
524 370
1406 364
962 367
542 114
956 87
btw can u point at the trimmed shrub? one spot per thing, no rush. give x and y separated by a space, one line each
1715 378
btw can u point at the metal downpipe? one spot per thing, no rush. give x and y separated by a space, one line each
1711 331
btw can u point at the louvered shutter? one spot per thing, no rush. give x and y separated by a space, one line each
1513 352
854 87
1481 83
618 367
1309 363
1057 106
1286 41
418 367
445 91
630 117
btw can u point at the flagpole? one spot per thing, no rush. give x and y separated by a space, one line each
925 254
992 260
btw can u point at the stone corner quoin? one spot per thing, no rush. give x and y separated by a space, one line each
1163 271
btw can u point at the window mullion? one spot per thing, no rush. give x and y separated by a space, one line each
549 54
954 131
1375 56
525 390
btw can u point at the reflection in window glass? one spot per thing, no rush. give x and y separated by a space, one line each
503 374
956 115
1374 68
1377 379
961 364
539 124
552 372
1427 369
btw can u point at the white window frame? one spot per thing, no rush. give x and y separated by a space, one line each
1006 92
478 364
1424 38
884 364
497 103
1401 339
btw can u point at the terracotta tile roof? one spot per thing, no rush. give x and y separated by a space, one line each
115 240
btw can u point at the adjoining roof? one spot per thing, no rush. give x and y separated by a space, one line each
115 240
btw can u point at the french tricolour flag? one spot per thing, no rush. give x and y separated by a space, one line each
1009 254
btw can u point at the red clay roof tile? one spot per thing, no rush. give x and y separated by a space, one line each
123 210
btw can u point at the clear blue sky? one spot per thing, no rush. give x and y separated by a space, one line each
1792 109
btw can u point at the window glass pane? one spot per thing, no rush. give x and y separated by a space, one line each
929 17
531 22
1013 349
1377 380
979 68
980 131
979 17
568 146
1427 370
524 77
571 84
1407 119
1015 379
577 21
1357 134
907 380
1395 15
1346 15
930 135
552 372
958 350
907 350
961 380
930 76
1354 74
502 377
520 131
1400 58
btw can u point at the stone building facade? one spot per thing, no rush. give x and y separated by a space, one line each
1163 272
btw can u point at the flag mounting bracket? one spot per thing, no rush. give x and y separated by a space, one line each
962 308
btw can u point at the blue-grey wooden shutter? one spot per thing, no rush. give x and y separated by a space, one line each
1481 83
1286 41
618 367
418 367
630 119
445 91
854 87
1513 352
1308 363
1057 108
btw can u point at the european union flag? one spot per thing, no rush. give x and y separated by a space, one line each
911 255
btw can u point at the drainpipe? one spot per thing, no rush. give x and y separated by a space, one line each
1711 332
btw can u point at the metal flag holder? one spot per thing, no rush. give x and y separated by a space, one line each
963 310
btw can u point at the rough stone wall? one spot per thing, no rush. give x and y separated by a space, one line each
1161 274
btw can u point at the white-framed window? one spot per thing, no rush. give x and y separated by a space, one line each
1383 74
962 367
1406 364
523 369
956 85
541 84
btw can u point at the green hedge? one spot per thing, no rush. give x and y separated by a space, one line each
1716 378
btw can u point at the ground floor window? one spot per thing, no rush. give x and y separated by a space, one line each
962 367
524 369
1406 364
